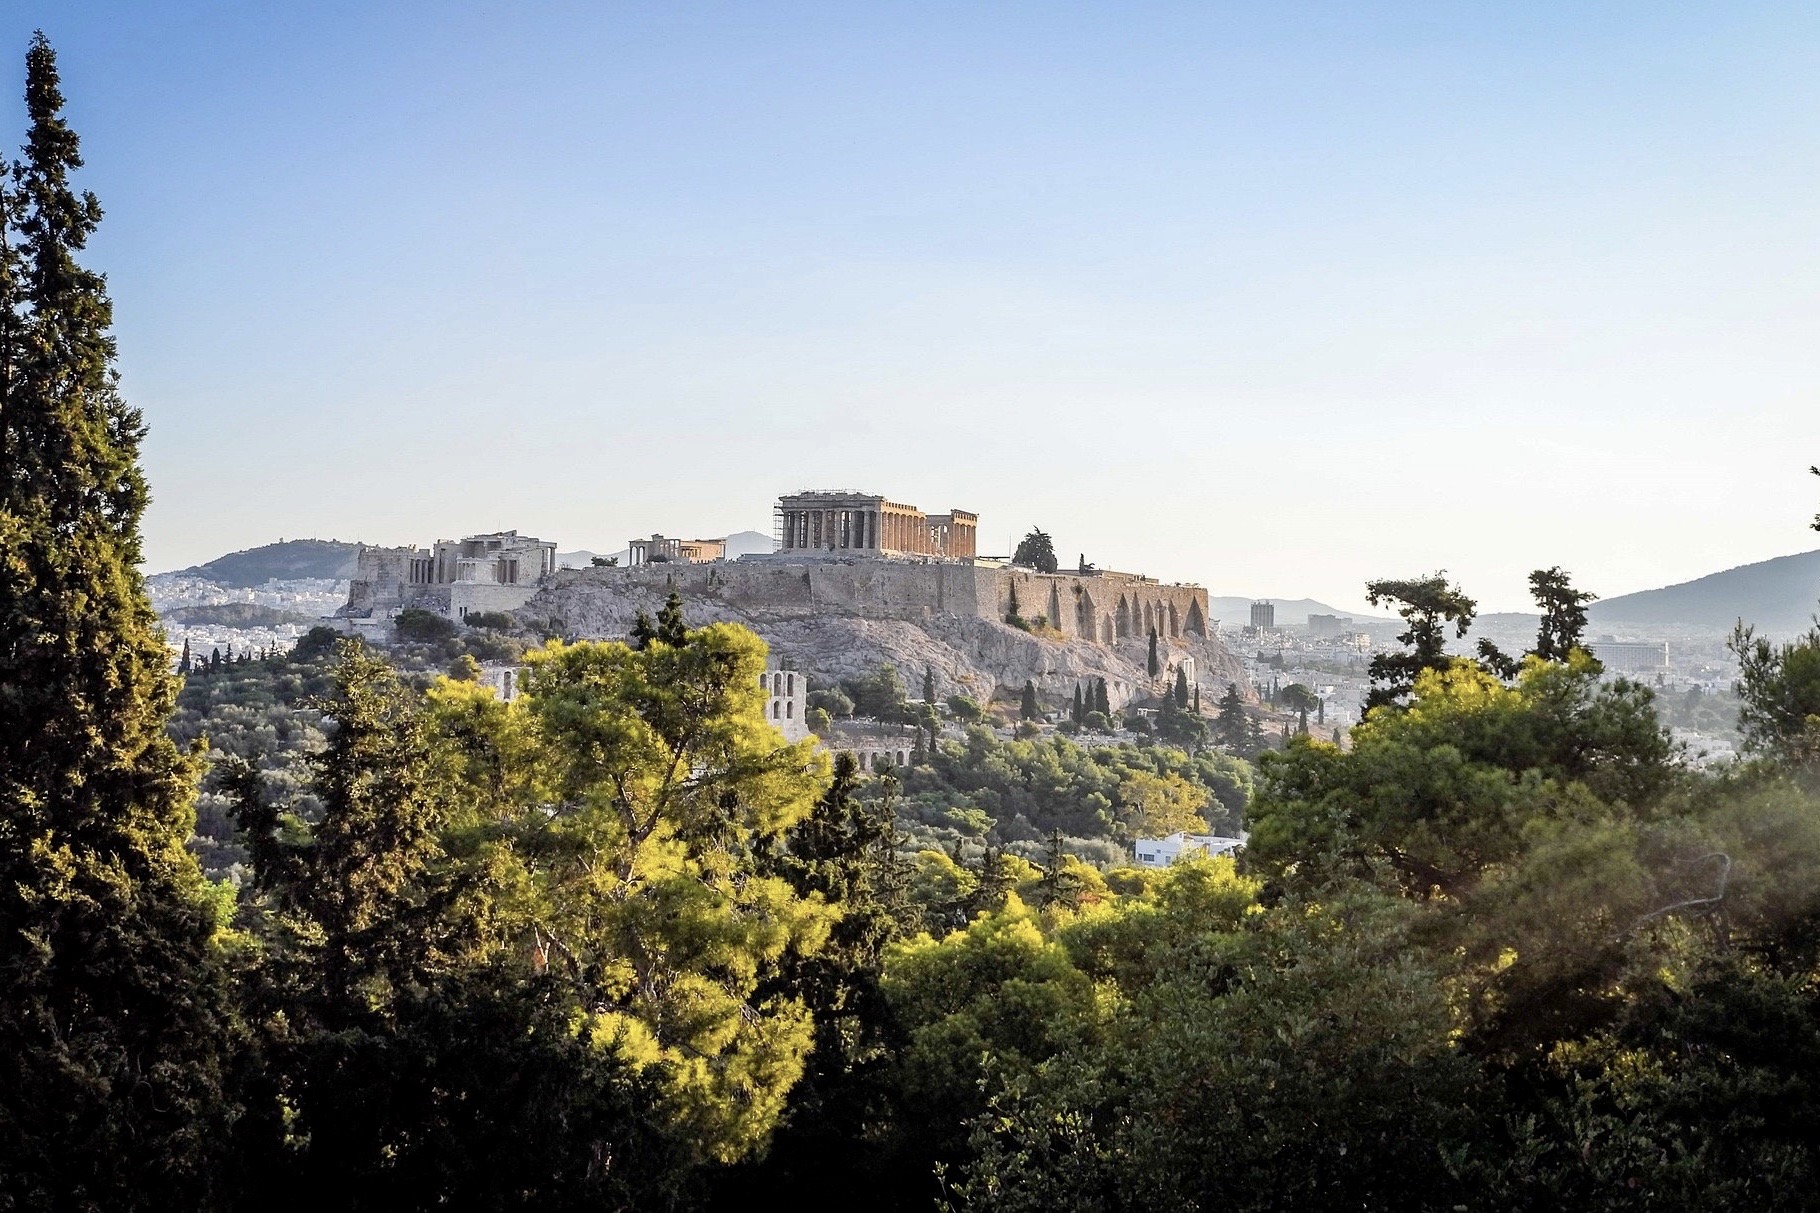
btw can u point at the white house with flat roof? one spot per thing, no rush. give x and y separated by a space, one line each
1161 852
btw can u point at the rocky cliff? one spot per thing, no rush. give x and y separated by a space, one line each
969 655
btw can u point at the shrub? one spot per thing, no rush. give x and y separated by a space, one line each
498 620
317 642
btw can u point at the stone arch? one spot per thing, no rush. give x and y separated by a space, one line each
1122 627
1149 620
1197 623
1106 636
1175 621
1084 615
1055 608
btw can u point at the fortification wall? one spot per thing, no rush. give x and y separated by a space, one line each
1102 608
867 589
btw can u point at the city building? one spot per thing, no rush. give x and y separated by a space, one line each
867 524
1161 852
1263 614
1329 625
658 550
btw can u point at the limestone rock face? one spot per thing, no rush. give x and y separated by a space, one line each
969 655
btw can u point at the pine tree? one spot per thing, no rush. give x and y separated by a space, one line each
112 1008
1563 613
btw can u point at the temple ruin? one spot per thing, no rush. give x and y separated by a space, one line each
868 524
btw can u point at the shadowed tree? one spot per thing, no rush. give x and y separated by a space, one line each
1563 613
112 1011
1428 605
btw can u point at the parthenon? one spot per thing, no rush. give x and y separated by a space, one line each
867 524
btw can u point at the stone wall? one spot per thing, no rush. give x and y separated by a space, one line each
1103 608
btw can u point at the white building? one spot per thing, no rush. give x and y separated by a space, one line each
1161 852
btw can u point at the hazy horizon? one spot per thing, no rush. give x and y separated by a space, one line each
1275 300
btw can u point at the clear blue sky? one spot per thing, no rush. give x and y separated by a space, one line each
1274 296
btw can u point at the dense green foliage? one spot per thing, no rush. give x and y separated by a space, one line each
1505 953
1023 790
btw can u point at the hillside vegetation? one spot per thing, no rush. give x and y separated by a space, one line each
291 560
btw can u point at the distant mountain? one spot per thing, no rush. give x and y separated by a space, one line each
1777 595
585 559
746 543
286 561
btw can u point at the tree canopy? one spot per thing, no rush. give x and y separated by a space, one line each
1036 551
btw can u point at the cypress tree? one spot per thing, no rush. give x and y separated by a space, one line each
929 686
1028 708
183 665
1181 687
1102 703
1154 664
670 627
112 1006
1076 713
643 630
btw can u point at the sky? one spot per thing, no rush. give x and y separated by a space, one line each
1273 297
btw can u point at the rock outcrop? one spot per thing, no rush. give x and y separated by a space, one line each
832 640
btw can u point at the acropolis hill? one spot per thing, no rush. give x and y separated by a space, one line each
859 580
